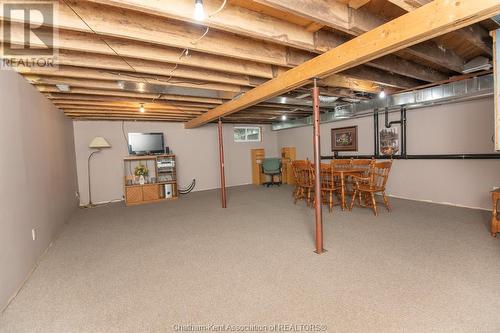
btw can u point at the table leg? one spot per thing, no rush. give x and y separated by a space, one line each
342 189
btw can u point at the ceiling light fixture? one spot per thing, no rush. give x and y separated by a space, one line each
382 93
199 11
141 109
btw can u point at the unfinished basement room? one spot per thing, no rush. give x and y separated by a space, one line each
249 166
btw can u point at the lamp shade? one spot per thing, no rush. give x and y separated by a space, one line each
98 143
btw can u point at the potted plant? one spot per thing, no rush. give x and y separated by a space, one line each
141 171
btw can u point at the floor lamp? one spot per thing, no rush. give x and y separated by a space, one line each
98 143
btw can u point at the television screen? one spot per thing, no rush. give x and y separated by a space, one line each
145 143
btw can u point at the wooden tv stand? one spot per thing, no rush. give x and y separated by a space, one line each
162 176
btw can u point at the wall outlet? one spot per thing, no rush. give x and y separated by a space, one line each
33 233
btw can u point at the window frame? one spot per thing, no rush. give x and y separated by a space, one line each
246 128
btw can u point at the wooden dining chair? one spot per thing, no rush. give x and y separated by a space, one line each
304 180
375 182
328 185
363 164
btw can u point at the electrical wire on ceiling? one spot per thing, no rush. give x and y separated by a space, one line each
184 53
100 37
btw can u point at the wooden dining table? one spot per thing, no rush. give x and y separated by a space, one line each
342 173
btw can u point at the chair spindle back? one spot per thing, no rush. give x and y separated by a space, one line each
379 174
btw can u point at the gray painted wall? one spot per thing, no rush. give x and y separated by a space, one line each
38 178
196 152
453 128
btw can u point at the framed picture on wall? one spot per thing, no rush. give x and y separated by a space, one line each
345 138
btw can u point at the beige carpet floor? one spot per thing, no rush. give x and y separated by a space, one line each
422 268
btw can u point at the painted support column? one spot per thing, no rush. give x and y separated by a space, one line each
317 171
221 165
496 73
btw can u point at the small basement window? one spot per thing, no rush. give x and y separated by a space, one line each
247 134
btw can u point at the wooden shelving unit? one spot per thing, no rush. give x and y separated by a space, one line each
258 156
287 156
161 183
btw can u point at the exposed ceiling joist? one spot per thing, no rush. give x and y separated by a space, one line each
474 34
352 84
90 43
100 92
410 5
243 21
434 19
355 4
226 91
99 98
356 22
232 18
381 77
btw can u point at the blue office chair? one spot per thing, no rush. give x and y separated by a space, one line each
272 167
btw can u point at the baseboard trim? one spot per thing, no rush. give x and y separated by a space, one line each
436 202
81 205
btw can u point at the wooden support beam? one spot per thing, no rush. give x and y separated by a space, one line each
434 19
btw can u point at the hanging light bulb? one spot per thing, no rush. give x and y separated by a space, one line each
382 93
283 117
141 109
199 11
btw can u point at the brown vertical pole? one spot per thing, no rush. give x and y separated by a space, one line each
221 164
317 171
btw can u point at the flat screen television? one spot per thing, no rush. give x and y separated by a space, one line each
145 143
